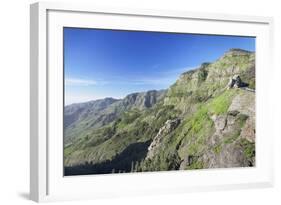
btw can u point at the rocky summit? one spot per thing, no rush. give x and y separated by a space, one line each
206 119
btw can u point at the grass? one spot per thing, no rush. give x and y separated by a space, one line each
128 118
195 131
199 119
220 104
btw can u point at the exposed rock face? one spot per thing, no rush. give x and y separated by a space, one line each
236 82
245 103
231 129
169 126
249 132
229 156
219 121
144 99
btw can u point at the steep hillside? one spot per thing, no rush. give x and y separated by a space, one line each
205 120
82 118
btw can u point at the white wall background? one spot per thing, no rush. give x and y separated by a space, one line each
14 101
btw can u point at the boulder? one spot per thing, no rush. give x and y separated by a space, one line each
235 82
219 121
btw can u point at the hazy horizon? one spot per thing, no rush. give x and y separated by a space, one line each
111 63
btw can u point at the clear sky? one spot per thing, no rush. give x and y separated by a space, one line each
111 63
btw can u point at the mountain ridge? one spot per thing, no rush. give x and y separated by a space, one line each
101 111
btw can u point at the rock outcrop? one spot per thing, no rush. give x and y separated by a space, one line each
169 126
235 130
143 100
235 82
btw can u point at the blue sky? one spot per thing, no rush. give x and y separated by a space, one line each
111 63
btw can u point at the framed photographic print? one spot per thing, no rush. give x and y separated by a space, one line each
127 102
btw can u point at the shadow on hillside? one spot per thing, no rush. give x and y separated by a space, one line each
121 163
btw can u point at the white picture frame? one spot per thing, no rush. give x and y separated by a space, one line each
47 182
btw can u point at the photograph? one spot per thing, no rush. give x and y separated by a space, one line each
147 101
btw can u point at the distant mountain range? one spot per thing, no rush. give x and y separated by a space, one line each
204 120
94 114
